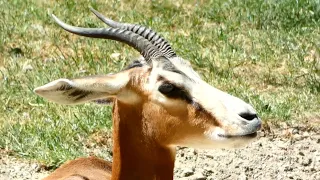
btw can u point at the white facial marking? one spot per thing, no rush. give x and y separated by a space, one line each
215 134
223 107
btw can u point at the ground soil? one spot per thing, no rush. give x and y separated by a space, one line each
290 154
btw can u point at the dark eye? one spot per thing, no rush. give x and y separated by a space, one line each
172 91
166 88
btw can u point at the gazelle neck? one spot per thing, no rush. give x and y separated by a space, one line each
135 154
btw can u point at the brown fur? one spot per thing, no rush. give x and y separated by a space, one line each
142 149
90 168
150 117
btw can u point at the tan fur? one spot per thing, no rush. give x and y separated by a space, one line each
145 133
159 103
90 168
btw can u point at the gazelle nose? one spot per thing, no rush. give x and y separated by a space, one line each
248 116
252 121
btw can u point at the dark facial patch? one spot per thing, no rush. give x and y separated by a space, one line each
166 88
197 106
133 64
172 91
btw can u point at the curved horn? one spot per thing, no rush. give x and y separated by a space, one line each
145 32
146 48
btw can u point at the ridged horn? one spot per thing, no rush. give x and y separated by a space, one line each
146 48
147 33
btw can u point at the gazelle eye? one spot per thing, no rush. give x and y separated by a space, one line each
172 91
166 88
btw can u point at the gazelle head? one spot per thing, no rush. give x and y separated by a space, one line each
176 105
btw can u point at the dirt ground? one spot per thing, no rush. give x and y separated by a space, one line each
290 154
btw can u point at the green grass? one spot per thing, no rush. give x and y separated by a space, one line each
266 52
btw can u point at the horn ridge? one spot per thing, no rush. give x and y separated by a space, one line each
146 48
141 30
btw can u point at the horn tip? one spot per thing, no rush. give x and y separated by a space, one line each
93 10
55 18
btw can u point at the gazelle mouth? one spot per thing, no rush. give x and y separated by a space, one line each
251 135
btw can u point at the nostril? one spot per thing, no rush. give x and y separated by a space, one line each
248 116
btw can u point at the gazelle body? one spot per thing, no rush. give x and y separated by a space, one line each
159 102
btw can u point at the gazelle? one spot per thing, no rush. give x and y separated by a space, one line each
159 102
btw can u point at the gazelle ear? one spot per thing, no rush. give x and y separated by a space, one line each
81 90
